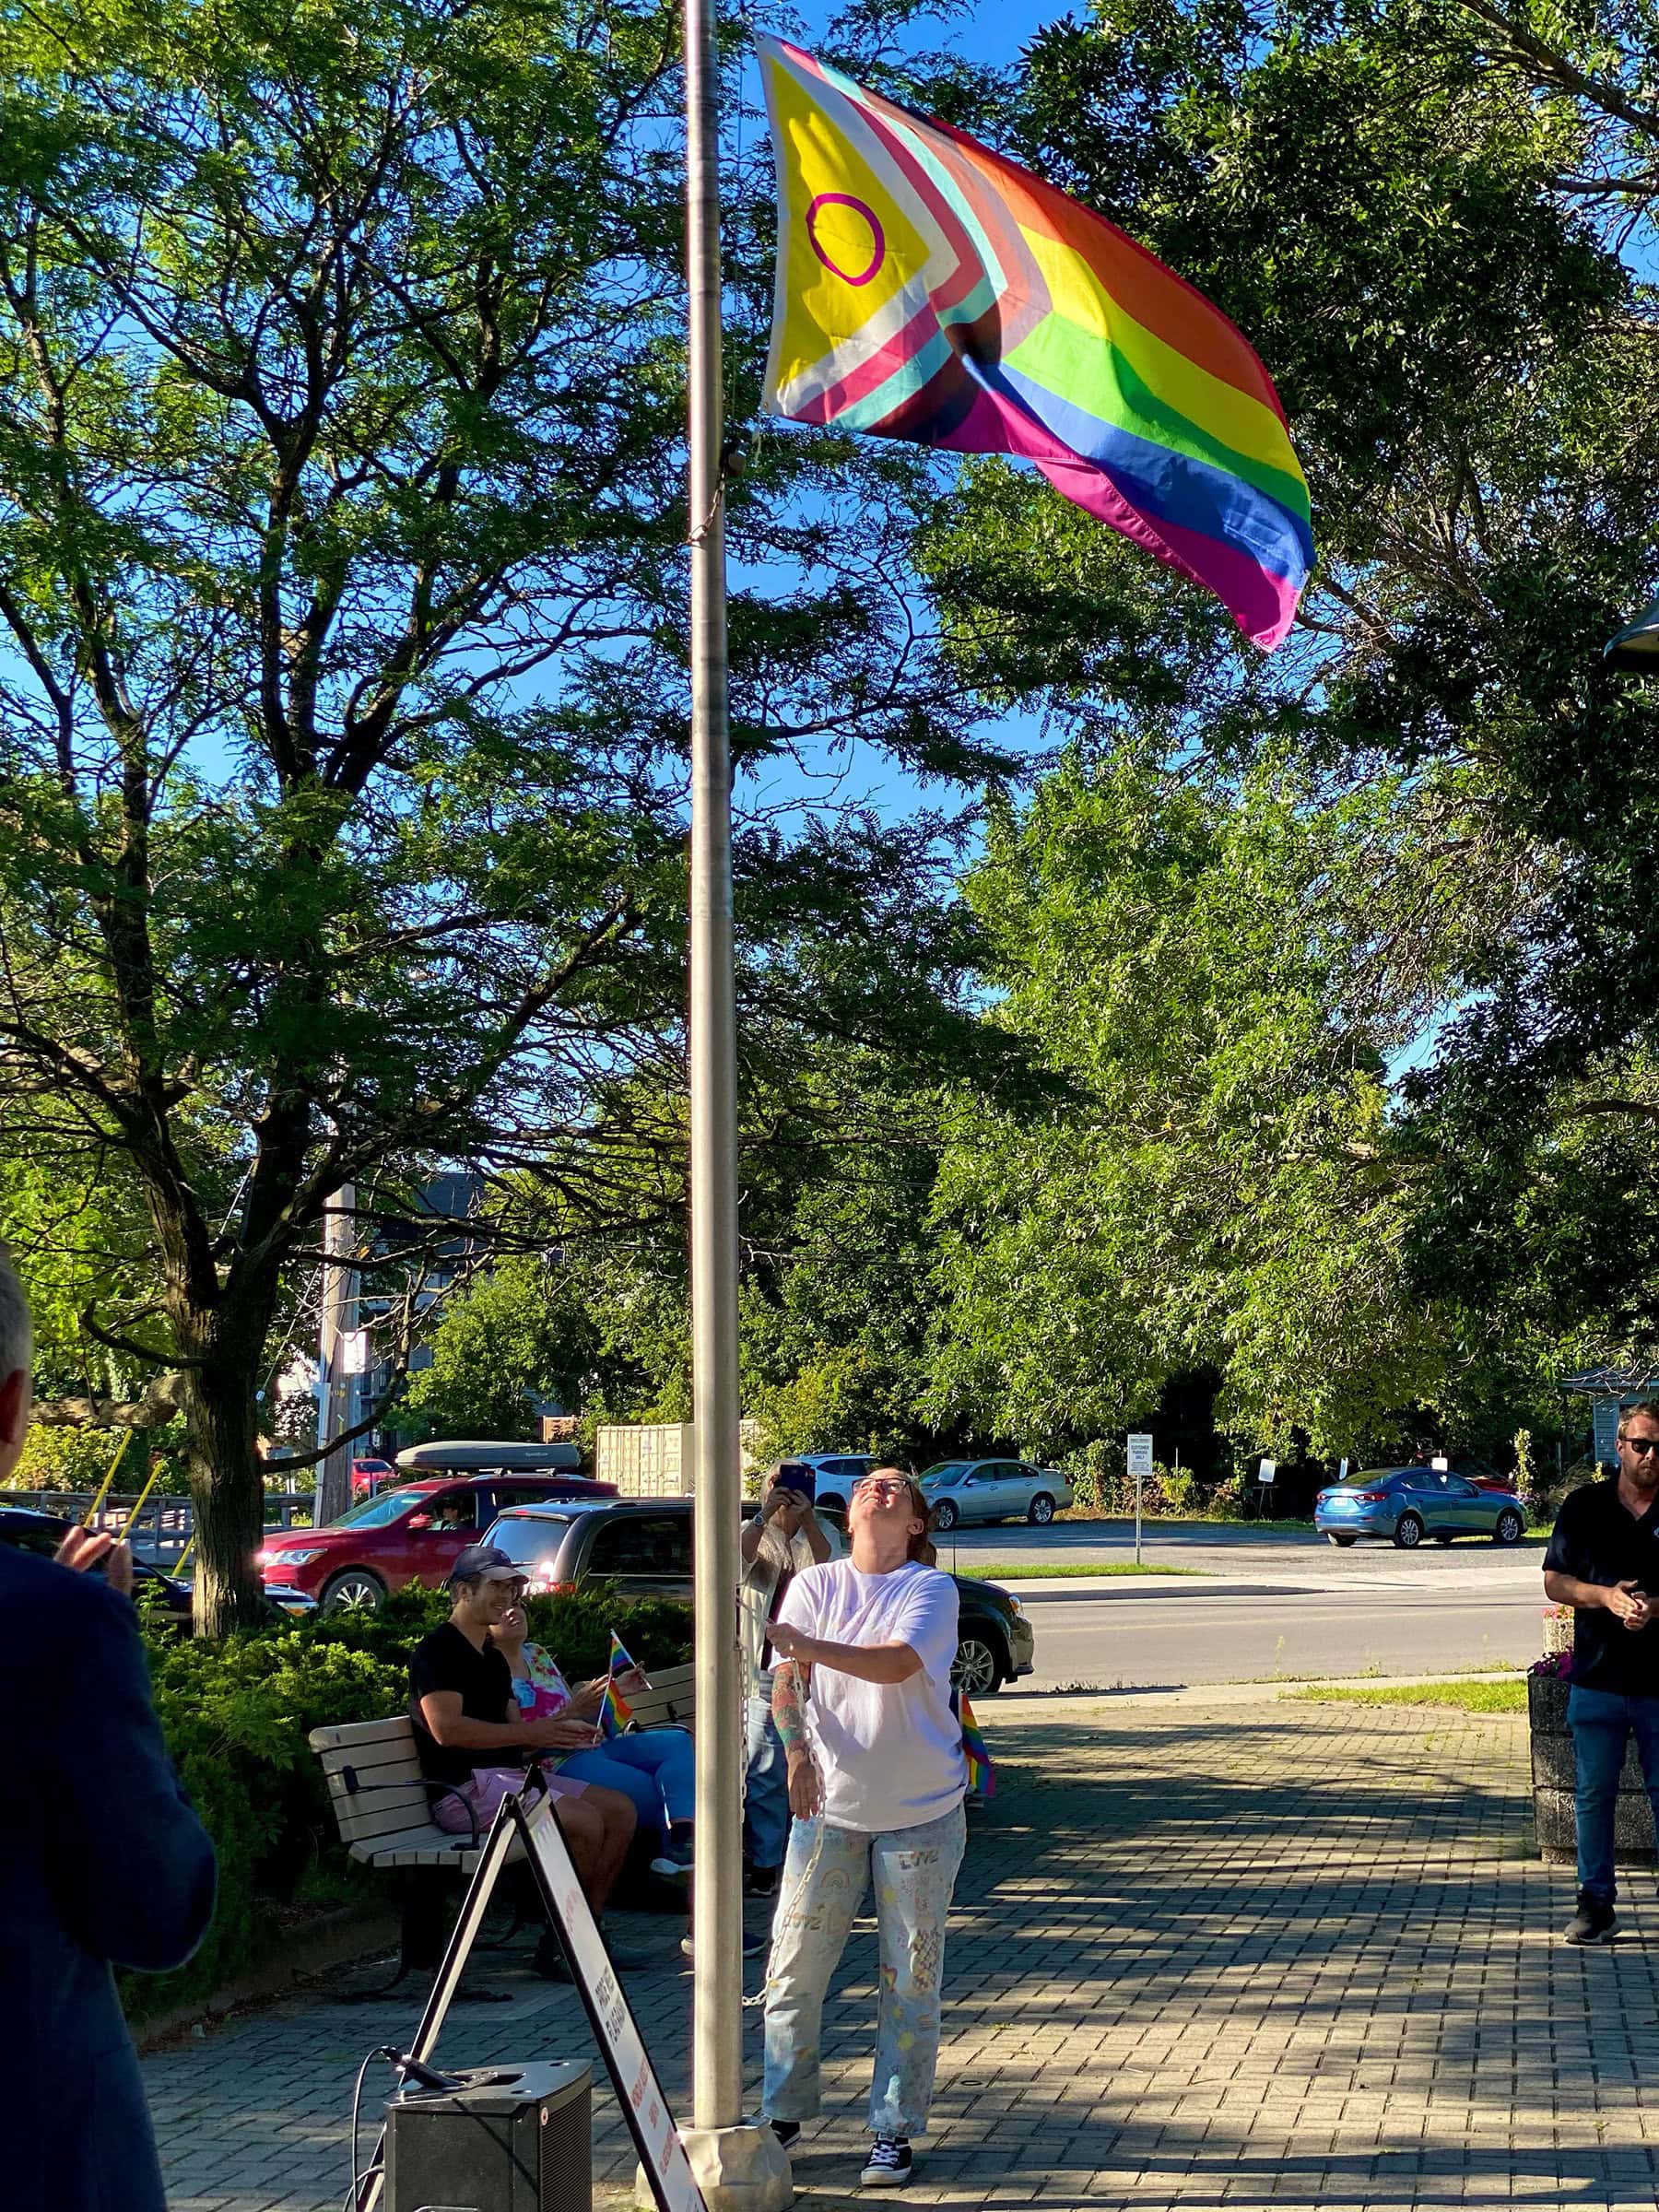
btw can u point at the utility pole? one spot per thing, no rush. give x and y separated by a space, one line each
339 1300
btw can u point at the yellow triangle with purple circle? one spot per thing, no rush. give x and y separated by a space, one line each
850 245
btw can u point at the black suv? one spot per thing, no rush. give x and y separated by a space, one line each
644 1544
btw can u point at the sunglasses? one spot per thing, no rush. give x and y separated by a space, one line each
1640 1446
882 1485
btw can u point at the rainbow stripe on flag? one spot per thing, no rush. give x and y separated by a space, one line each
616 1714
981 1774
927 288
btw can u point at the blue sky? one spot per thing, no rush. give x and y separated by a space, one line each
859 775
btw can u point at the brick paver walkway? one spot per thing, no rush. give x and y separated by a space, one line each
1243 1953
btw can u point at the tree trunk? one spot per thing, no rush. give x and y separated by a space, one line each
226 1484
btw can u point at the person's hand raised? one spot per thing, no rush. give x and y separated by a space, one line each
84 1548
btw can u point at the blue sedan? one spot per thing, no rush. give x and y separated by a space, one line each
1407 1504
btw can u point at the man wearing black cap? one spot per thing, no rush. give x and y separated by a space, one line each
473 1736
784 1538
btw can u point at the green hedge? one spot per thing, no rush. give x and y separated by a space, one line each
237 1714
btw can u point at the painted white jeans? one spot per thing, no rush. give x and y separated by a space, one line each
914 1870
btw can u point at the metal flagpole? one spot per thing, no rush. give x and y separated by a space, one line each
717 1917
339 1236
736 2166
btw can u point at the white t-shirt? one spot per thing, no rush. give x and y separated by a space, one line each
890 1753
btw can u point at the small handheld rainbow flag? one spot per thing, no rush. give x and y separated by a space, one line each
616 1714
622 1661
982 1773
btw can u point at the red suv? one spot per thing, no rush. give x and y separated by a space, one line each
409 1535
371 1475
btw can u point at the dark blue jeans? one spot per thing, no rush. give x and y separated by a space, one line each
1602 1722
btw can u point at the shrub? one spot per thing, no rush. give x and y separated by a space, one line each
236 1716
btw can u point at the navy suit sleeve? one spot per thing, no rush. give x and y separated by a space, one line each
132 1868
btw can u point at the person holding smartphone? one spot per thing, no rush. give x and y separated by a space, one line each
783 1540
1603 1560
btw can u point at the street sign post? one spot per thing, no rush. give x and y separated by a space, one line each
1140 1466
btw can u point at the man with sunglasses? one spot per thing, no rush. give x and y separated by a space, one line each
1603 1560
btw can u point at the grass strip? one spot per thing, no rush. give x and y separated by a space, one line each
1468 1697
1063 1570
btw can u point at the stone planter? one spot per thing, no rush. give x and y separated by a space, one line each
1553 1774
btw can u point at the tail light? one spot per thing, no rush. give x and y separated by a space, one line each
1371 1497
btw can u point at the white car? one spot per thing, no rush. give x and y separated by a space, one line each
993 1489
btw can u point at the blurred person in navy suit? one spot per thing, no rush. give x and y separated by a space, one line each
102 1862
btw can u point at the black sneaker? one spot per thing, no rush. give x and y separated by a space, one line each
1593 1921
785 2130
889 2164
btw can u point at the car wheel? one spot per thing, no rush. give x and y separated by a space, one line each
1041 1511
1408 1533
945 1514
1509 1528
1342 1543
977 1670
356 1591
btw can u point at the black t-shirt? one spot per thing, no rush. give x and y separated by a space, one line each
1599 1540
446 1659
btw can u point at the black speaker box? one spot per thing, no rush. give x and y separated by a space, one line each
513 2139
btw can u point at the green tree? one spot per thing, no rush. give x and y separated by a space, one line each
341 716
1435 222
1221 1191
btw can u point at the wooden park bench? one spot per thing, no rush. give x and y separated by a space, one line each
384 1806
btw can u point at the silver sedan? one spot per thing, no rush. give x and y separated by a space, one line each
993 1489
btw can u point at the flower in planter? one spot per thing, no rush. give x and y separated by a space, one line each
1553 1662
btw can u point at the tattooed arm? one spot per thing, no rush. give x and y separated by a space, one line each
788 1699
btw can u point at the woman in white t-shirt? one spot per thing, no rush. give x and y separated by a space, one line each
876 1778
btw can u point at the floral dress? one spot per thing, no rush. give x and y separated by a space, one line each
541 1691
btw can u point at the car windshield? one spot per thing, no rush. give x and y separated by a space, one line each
1378 1480
526 1537
375 1512
948 1470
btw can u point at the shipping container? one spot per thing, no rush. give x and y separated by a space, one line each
654 1459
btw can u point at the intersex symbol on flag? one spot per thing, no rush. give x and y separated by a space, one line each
929 289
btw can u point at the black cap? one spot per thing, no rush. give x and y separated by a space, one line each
485 1562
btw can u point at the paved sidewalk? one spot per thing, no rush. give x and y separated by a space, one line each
1204 1955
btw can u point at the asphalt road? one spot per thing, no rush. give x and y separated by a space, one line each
1266 1605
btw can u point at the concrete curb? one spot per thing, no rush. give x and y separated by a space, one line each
336 1939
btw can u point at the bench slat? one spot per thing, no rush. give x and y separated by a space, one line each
385 1774
387 1753
387 1817
360 1732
